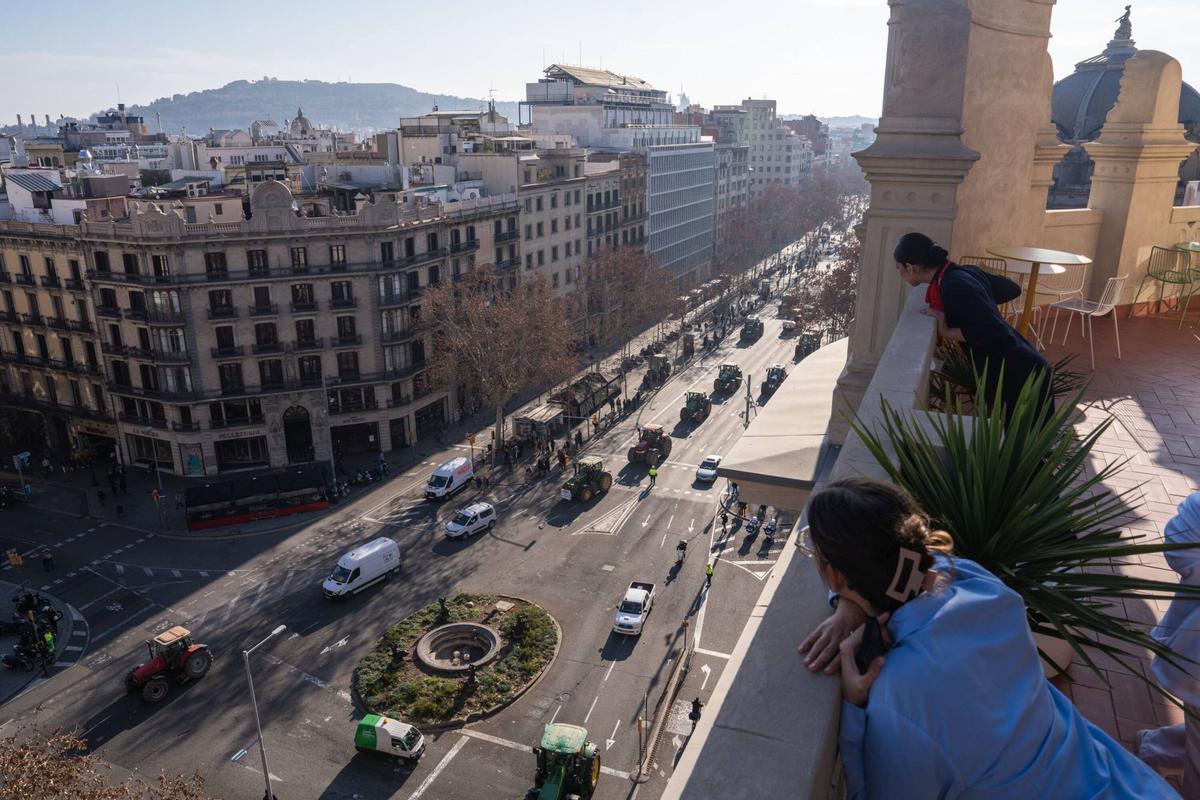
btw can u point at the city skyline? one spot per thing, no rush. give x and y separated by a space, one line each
753 60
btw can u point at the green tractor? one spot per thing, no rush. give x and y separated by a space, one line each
567 763
728 379
696 409
752 328
589 480
653 447
657 371
810 342
775 376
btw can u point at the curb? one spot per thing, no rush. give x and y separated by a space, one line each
476 716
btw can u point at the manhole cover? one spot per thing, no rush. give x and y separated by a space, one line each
565 697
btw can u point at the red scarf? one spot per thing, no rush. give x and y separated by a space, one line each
933 294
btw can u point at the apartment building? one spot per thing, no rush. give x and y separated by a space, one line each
230 345
51 374
618 113
732 189
778 155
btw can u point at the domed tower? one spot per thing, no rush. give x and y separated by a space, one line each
300 125
1080 104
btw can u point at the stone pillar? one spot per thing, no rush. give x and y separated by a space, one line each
915 166
1137 160
1005 110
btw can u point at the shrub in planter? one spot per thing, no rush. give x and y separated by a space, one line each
1016 498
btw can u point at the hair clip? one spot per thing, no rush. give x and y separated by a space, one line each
912 585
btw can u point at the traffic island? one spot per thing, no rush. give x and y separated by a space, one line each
457 660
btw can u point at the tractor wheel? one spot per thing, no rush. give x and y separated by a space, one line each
653 457
130 683
716 386
196 665
589 775
156 689
605 481
633 455
683 415
707 409
665 444
585 494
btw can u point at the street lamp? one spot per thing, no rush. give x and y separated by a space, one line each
262 747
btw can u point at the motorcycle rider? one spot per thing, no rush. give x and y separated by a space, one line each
680 551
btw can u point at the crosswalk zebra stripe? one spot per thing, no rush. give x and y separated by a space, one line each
148 571
177 573
120 569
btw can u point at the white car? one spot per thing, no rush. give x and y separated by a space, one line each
471 520
707 471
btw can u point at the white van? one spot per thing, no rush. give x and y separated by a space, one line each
471 520
363 566
449 478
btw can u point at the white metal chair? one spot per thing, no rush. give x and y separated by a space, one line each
1087 309
996 266
1054 288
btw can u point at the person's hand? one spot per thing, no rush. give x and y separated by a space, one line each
821 646
856 687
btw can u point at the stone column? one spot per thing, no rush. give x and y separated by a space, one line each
1137 167
915 167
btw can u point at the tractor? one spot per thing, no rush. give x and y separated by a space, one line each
589 480
728 379
696 409
173 657
657 370
752 328
653 447
775 376
809 342
567 763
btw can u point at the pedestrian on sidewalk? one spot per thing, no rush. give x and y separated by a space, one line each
708 573
100 496
47 560
653 475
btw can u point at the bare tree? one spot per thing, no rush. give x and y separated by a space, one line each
37 766
497 341
624 293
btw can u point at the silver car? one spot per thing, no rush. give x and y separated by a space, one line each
707 471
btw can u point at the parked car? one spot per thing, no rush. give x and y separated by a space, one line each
471 520
707 471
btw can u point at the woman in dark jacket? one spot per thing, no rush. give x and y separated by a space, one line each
964 299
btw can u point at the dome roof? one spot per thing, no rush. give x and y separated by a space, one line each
1081 101
300 125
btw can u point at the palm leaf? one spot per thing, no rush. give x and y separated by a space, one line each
1016 497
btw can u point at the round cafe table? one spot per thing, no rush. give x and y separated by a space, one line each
1189 247
1039 260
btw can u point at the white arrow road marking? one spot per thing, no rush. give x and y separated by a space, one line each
608 743
646 521
340 643
707 673
593 708
692 525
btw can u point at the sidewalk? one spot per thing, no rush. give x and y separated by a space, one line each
70 640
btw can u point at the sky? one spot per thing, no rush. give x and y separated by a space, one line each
819 56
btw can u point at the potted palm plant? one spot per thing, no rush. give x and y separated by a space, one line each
1016 498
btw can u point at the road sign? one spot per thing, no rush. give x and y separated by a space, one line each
471 438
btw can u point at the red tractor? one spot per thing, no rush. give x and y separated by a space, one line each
173 656
653 447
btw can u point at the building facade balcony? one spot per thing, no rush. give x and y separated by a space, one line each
51 282
236 423
464 247
143 422
185 427
506 236
343 302
11 317
74 285
347 340
300 345
81 325
259 348
265 310
303 306
36 320
152 393
109 312
366 404
222 312
5 277
227 352
58 323
507 265
24 278
396 336
160 316
393 299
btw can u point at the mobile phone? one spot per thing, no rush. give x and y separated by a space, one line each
871 647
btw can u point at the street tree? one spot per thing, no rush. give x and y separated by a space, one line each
623 292
38 766
496 341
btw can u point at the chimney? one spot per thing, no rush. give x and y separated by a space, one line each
20 124
48 121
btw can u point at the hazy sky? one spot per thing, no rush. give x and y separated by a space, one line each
823 56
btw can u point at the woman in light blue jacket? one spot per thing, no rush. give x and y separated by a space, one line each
1177 747
956 706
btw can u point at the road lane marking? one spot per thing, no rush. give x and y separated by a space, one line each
610 669
711 653
433 776
608 743
590 710
553 717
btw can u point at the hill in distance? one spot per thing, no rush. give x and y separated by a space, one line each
340 105
849 122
